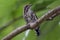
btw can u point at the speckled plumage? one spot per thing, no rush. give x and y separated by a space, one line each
30 16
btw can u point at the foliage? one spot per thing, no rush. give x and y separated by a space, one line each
11 9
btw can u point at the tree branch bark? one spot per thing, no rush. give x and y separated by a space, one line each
49 15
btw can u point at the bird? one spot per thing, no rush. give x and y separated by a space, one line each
30 17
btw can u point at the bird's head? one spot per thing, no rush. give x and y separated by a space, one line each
26 8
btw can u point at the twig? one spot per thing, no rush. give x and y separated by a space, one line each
54 12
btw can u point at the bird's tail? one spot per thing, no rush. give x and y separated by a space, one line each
37 31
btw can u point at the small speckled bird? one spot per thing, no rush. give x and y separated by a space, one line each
30 17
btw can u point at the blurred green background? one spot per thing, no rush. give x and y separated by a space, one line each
12 9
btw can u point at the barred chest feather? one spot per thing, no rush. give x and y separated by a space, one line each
29 15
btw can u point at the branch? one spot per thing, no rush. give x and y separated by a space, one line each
50 15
